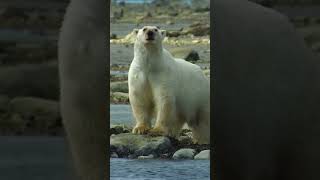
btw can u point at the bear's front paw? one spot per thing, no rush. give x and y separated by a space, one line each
141 129
156 132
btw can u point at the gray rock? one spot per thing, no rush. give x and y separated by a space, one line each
205 154
192 56
151 156
114 155
121 86
113 36
185 53
118 129
185 153
139 145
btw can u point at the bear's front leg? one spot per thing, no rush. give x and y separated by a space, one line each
166 121
142 115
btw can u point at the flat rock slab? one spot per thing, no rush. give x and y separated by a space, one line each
132 145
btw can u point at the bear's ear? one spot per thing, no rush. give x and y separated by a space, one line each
136 31
163 33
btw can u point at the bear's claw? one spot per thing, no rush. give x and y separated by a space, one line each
140 129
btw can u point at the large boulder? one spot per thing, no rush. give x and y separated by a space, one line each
185 153
118 129
139 145
187 54
203 155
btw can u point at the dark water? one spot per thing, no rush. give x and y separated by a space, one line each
33 158
123 169
128 169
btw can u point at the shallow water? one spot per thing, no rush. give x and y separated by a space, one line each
123 73
33 158
123 169
121 114
133 169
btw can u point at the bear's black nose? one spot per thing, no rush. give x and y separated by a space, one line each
150 33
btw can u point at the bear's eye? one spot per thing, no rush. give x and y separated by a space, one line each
144 29
156 30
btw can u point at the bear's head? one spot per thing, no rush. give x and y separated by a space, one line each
150 35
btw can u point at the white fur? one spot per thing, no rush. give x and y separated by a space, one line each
82 70
171 90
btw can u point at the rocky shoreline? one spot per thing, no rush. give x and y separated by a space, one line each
124 144
29 116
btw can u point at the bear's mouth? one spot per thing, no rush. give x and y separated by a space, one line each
149 38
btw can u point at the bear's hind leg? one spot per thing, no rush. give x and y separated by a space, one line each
201 129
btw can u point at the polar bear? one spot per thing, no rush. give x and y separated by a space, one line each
83 60
170 90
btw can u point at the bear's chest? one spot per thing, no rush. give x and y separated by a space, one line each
139 81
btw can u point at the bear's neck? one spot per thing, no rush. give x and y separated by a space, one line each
150 56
